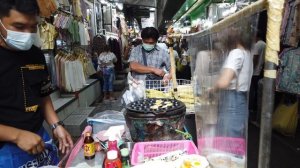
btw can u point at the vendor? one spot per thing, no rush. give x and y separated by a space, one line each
148 61
24 92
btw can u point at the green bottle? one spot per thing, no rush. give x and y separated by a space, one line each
125 158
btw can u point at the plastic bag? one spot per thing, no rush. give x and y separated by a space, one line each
285 118
136 90
104 120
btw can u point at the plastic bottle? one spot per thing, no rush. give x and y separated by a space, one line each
125 158
113 145
112 160
89 147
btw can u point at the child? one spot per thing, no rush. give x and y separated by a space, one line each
106 65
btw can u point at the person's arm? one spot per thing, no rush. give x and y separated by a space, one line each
230 70
25 140
225 78
64 138
139 68
115 59
135 66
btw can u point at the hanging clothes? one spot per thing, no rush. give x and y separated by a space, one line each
288 79
47 7
115 48
83 34
77 8
290 29
49 57
47 35
70 76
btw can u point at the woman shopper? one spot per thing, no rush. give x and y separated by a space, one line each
233 85
106 65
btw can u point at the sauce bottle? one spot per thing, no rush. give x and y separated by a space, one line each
112 160
125 158
89 147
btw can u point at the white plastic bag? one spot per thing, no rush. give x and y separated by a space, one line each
136 90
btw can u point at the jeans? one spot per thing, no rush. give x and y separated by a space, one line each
108 79
11 156
233 114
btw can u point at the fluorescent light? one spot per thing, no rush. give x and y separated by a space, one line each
152 9
120 6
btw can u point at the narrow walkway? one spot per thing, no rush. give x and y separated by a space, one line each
104 105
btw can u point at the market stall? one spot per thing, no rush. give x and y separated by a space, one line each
123 140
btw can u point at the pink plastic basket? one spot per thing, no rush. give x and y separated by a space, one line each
226 144
158 148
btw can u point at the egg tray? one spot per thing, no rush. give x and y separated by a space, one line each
153 105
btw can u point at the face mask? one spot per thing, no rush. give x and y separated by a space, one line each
18 40
148 47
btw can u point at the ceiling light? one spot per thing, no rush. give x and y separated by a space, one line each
152 9
120 6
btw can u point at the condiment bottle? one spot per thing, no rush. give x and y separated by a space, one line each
112 160
89 147
125 158
113 145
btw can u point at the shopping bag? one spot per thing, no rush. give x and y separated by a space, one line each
136 90
285 118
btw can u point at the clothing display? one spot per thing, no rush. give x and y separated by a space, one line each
24 80
288 73
77 30
72 70
290 29
116 49
63 2
49 57
47 7
83 34
77 8
47 35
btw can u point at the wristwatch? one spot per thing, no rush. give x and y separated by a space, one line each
55 125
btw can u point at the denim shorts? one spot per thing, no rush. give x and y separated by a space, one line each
233 114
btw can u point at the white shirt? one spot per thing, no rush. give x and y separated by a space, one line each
240 61
106 59
259 50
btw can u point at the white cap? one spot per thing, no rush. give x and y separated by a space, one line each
112 155
112 138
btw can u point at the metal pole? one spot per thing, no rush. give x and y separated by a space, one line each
275 9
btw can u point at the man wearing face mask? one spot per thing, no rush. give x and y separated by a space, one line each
148 61
24 92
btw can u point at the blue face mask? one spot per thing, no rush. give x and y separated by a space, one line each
18 40
148 47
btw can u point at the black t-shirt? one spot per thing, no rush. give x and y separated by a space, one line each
24 80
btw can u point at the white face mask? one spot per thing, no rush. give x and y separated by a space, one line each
18 40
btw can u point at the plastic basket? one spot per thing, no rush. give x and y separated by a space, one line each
235 146
158 148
